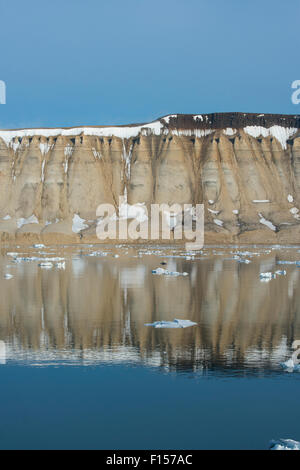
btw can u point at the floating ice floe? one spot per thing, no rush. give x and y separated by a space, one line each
280 272
243 260
38 245
297 263
8 276
46 265
61 265
78 224
165 272
257 201
284 444
266 277
176 323
290 366
290 198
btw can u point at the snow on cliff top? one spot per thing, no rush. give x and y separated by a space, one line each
158 127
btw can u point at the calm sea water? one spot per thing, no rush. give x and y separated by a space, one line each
79 369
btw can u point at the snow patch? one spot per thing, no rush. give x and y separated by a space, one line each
266 222
282 134
229 131
30 220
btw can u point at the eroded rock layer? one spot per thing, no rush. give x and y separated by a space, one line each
244 168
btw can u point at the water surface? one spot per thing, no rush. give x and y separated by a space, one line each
80 369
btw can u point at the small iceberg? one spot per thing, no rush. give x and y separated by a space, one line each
268 275
38 245
161 271
176 323
290 366
61 265
281 272
297 263
284 444
8 276
46 265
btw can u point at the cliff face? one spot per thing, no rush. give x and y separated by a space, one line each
245 168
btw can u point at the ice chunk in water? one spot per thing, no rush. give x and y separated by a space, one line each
290 366
46 265
160 271
281 272
268 275
8 276
176 323
284 444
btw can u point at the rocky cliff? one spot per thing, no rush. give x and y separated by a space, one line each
245 168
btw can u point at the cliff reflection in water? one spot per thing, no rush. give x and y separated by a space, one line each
95 311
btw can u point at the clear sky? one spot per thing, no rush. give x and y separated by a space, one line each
72 62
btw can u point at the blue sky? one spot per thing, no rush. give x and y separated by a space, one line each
72 62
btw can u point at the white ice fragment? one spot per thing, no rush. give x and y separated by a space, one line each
210 201
290 198
280 272
284 444
46 265
8 276
243 260
6 217
260 200
38 245
177 323
30 220
160 271
267 275
61 265
294 210
78 224
235 211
